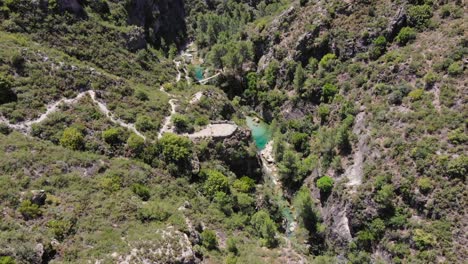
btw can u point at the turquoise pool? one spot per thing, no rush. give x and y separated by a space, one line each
261 133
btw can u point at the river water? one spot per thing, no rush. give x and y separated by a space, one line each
261 132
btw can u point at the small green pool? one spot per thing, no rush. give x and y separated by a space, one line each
261 133
199 73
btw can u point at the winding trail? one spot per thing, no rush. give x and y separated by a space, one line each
213 130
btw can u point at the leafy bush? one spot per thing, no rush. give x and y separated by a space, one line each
265 228
153 211
458 136
215 182
6 94
325 184
455 69
60 228
72 138
458 167
379 47
328 92
244 184
416 94
328 61
405 35
181 123
112 135
423 240
142 191
209 240
175 148
144 123
431 78
425 184
7 260
418 15
135 144
29 210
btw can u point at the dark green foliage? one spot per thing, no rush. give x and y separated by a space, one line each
271 73
60 228
6 94
7 260
244 184
112 136
72 138
135 144
175 148
300 141
144 123
265 228
455 69
209 240
299 78
181 123
458 167
328 92
29 210
215 182
142 191
325 184
419 15
328 61
153 211
379 47
405 35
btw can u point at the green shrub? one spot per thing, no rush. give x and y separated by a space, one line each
7 260
328 61
175 148
141 95
6 94
455 69
324 112
425 184
431 78
111 182
458 167
29 210
419 15
60 228
416 94
72 138
458 136
181 123
379 47
112 135
405 35
423 240
135 144
325 184
144 123
215 182
142 191
265 228
300 141
231 245
209 239
244 184
153 211
328 92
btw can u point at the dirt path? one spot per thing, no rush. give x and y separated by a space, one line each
167 124
212 130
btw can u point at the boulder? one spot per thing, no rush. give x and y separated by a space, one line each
38 197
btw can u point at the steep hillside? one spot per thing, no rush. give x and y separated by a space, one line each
273 131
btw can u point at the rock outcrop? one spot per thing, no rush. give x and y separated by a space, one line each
163 20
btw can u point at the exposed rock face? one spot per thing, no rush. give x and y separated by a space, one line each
38 197
237 156
398 21
168 246
162 20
